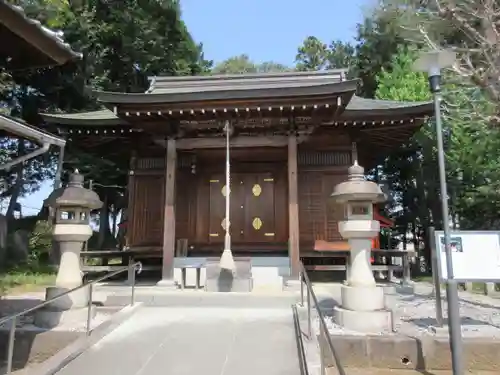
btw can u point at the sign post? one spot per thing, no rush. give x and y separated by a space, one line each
475 256
435 277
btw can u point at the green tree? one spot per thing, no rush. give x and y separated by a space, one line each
243 64
341 55
123 42
472 156
411 170
312 55
378 39
315 55
469 27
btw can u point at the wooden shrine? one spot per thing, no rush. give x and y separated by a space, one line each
293 137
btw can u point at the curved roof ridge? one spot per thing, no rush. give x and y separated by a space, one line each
358 100
365 107
98 117
214 77
22 128
55 36
251 89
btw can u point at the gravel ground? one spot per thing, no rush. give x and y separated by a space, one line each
414 315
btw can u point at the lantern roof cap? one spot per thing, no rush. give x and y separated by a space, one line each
357 188
74 195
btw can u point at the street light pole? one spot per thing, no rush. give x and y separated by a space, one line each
432 62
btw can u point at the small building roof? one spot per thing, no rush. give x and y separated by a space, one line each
362 108
18 127
26 43
102 117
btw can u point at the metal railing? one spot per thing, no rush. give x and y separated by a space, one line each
323 329
132 268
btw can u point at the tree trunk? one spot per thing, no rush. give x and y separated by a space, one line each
103 223
114 218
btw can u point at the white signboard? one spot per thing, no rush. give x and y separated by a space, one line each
475 255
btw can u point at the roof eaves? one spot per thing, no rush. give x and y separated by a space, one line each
20 128
362 107
101 117
257 92
66 53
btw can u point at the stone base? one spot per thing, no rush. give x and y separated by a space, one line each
395 354
389 289
405 288
47 318
167 284
439 331
363 321
362 298
76 299
225 284
222 280
267 278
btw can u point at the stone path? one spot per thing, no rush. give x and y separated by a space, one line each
186 341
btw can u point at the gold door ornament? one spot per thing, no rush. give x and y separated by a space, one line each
224 190
256 190
257 223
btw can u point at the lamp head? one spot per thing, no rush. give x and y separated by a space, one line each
432 62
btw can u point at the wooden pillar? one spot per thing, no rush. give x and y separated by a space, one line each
130 218
293 206
167 273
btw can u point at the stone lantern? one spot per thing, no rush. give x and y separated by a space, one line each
72 205
363 302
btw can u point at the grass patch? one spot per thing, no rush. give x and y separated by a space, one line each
26 279
423 279
478 288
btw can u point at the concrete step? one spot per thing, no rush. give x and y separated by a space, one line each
204 299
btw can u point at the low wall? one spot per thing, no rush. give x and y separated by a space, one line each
33 346
402 352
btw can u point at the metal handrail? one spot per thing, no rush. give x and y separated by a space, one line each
132 268
323 329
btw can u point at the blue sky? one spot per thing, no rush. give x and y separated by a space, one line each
266 30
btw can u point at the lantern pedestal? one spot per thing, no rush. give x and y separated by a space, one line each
363 321
222 280
71 230
362 301
67 310
72 308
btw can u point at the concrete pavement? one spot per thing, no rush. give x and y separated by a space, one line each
188 341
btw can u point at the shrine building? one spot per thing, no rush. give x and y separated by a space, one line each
292 137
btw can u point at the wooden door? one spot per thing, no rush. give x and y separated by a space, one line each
217 199
146 215
259 215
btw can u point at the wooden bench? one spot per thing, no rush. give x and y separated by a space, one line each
126 257
129 257
404 268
